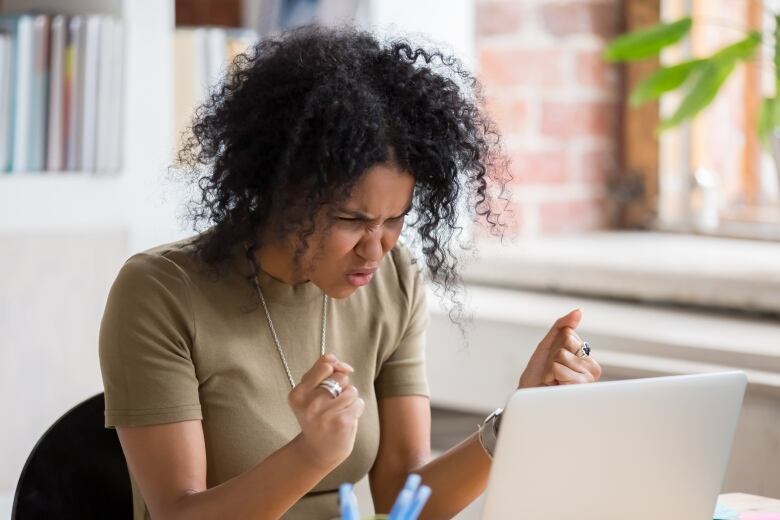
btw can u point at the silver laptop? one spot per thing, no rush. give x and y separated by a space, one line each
640 449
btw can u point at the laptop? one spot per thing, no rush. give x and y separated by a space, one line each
640 449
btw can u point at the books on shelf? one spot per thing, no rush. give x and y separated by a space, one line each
55 152
202 56
5 100
60 93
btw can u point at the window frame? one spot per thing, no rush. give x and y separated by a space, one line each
639 185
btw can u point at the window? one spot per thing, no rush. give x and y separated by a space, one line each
712 175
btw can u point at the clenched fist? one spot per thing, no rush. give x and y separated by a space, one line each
328 424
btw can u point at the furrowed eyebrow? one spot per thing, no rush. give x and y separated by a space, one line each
357 214
362 216
406 212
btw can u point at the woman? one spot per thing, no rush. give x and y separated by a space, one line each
251 369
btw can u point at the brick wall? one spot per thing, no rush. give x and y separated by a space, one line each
556 104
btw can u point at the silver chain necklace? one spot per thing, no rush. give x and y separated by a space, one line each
273 329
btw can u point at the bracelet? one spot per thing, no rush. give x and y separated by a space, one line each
488 432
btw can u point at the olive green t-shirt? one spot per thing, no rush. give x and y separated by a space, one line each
181 342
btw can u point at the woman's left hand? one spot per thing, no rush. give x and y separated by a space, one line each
554 362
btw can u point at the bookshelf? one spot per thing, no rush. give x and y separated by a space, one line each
135 200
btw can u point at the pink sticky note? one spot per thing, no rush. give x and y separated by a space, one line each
759 516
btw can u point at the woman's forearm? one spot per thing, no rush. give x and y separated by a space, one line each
266 491
457 478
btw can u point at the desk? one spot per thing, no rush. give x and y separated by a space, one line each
744 503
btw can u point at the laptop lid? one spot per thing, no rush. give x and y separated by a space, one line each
640 449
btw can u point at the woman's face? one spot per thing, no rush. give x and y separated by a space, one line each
345 254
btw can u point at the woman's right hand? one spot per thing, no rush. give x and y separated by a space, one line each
328 424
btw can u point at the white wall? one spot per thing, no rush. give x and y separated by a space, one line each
52 292
449 23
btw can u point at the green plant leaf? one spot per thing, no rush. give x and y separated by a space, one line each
710 77
768 118
662 80
765 114
647 42
712 72
741 50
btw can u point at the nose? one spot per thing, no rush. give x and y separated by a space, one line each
373 245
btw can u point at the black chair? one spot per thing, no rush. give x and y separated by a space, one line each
77 470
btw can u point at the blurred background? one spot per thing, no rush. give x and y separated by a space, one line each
667 241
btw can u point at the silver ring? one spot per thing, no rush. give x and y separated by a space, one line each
332 386
584 350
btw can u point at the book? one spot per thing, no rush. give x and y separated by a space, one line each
6 64
115 117
74 51
89 92
55 143
215 57
239 41
105 95
186 79
22 100
36 147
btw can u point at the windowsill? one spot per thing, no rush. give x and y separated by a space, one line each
631 340
699 271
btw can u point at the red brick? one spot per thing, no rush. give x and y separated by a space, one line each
597 166
509 67
538 167
593 71
508 113
498 18
571 216
580 18
561 119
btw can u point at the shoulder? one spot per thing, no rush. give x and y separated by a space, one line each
152 291
166 265
181 253
400 274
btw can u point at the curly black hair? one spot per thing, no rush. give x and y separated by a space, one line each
302 115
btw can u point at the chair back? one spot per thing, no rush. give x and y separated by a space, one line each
76 470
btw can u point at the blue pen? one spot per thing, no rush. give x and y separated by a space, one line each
422 496
349 509
405 497
401 505
355 507
344 505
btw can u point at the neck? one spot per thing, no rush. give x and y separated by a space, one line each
277 261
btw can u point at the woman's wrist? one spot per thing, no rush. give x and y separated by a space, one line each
309 457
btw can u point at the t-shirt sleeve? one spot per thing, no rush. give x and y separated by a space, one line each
146 336
403 372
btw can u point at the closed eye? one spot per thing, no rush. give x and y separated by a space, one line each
364 221
367 221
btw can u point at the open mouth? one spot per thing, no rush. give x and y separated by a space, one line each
361 277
